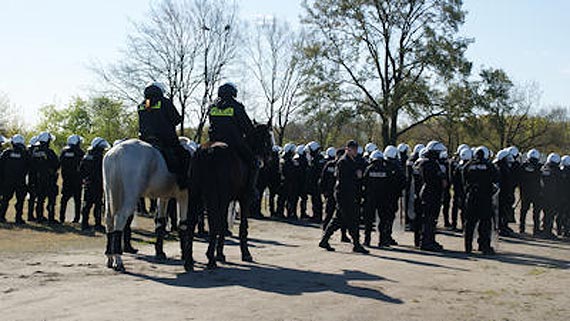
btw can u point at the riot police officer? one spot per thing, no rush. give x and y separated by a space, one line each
504 162
346 191
530 191
32 181
550 178
457 168
327 182
563 219
44 167
91 169
69 159
313 174
480 176
434 182
300 173
14 165
286 197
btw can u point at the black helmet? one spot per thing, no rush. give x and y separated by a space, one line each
227 90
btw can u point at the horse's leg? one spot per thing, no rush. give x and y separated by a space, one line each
214 229
114 238
127 246
186 229
160 229
223 227
243 227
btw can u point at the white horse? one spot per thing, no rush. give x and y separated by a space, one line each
134 169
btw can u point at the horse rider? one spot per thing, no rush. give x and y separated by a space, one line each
157 126
229 123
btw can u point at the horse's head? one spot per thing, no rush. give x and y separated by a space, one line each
260 139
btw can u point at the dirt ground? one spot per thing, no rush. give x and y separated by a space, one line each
59 273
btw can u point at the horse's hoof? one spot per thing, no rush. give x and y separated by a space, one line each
189 266
247 258
221 258
120 268
110 263
161 256
131 250
211 265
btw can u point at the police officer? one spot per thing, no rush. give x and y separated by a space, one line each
269 177
413 177
32 181
563 219
480 176
434 182
286 199
504 163
91 169
157 126
44 167
375 181
14 165
346 192
229 123
69 159
457 167
530 190
446 197
301 167
327 182
550 181
315 169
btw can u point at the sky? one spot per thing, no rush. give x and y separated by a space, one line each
48 46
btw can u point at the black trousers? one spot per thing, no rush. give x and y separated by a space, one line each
92 198
50 193
484 218
526 201
430 212
69 192
347 216
8 191
330 207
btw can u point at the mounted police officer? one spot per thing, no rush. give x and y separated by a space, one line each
229 123
91 170
530 191
157 126
346 191
480 178
14 165
44 167
69 159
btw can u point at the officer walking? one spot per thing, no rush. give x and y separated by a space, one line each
69 159
346 192
91 170
44 167
480 176
14 165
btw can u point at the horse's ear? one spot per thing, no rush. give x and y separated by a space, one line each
254 122
270 122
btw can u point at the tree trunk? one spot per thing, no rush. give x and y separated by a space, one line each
393 128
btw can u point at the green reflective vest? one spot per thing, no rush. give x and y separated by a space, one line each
217 112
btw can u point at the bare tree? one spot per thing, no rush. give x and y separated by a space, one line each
216 22
273 58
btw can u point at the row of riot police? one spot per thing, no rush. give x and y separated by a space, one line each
33 170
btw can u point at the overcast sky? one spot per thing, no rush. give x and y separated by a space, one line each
48 45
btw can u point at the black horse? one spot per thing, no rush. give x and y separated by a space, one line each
218 176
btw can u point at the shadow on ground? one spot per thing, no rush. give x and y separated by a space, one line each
279 280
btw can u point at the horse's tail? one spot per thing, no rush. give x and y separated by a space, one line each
114 187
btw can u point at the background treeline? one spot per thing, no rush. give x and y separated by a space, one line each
382 71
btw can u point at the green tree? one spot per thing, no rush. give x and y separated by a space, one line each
389 54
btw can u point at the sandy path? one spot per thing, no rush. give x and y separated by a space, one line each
292 280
